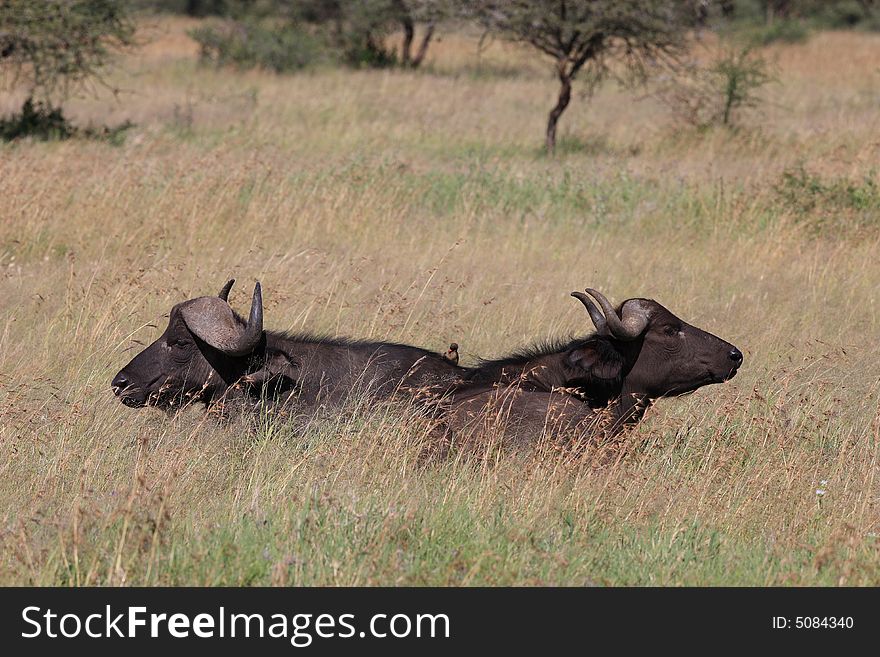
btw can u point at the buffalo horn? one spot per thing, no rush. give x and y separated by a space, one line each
628 327
224 292
595 313
212 320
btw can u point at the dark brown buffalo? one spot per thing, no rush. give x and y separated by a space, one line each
640 352
512 417
209 353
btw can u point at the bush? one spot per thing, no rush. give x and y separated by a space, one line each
287 47
363 50
848 14
782 31
717 93
40 120
352 32
835 203
365 26
282 49
790 21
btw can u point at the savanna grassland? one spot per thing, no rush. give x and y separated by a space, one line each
418 207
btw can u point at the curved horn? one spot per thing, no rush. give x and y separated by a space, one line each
595 314
254 331
630 326
212 320
224 292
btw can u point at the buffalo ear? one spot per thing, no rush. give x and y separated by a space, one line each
599 363
277 366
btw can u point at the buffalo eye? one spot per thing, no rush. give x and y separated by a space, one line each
178 343
671 330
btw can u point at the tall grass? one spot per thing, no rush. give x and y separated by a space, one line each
429 221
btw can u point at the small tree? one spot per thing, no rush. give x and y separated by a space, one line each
54 47
714 93
590 34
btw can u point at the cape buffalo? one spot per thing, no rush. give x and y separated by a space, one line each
640 352
208 353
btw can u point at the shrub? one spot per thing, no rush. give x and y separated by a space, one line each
848 14
834 203
249 44
716 93
782 31
361 30
40 120
287 36
364 50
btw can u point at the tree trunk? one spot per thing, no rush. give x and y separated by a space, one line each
556 112
423 48
409 33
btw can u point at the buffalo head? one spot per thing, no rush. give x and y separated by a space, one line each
205 349
658 354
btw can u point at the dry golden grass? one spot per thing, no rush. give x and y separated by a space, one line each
418 207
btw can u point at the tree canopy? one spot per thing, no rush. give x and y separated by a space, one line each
53 47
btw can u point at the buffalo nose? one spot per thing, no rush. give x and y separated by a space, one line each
120 382
736 356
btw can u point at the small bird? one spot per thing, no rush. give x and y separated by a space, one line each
452 353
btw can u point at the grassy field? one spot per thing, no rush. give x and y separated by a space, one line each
417 206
